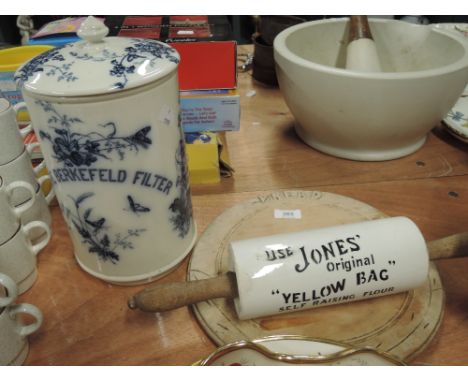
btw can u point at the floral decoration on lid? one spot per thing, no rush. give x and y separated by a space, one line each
97 64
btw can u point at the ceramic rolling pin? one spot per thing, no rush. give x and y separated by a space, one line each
361 53
301 270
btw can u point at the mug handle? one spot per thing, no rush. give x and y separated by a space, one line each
26 330
11 288
50 196
18 210
35 248
29 148
25 130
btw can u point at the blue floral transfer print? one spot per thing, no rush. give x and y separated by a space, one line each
95 233
121 66
458 116
135 207
51 63
136 54
76 149
181 207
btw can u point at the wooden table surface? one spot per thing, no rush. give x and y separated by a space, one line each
87 322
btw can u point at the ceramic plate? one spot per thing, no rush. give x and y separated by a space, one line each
295 350
457 119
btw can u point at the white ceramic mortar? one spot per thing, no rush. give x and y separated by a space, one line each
369 116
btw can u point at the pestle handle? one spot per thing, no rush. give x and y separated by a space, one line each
359 28
361 53
163 297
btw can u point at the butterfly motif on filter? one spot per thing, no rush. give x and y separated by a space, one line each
135 207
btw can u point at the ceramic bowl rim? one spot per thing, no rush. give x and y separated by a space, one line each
281 49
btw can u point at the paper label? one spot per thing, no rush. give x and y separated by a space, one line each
288 214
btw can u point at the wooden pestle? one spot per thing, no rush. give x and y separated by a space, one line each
164 297
361 54
359 28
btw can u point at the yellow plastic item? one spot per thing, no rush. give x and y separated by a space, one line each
203 161
10 60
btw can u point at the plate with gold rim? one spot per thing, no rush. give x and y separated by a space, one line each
294 351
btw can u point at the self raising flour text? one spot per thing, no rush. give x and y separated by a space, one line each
106 175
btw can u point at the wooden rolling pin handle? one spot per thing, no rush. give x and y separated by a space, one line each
449 247
359 28
161 298
164 297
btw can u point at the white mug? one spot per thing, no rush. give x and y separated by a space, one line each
18 255
39 210
20 168
14 344
8 290
11 143
9 214
27 129
30 148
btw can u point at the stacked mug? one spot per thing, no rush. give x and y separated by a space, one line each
14 345
24 212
